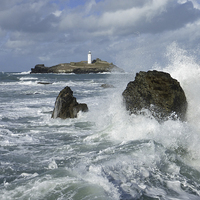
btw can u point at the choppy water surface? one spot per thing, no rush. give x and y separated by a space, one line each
103 154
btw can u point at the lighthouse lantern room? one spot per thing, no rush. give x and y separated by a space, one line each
89 57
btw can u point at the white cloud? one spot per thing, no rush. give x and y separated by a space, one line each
196 4
18 44
38 5
29 16
57 13
44 58
49 32
89 6
152 17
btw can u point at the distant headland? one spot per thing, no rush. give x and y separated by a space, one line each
82 67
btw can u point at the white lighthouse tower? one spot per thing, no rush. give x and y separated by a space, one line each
89 57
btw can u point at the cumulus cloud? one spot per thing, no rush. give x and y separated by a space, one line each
115 19
154 17
29 16
63 31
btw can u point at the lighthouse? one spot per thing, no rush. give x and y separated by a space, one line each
89 57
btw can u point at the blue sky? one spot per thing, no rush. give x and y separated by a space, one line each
131 34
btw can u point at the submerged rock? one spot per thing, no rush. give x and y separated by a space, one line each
157 92
44 83
66 105
107 86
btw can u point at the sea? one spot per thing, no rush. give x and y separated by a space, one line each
103 154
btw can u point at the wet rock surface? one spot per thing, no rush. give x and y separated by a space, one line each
66 105
158 92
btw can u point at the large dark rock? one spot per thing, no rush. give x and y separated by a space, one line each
39 68
157 92
66 105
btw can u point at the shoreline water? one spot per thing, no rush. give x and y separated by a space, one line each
103 154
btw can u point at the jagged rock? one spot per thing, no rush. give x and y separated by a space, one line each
157 92
40 68
66 105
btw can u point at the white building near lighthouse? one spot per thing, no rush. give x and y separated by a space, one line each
89 58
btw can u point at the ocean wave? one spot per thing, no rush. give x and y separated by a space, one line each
21 73
27 78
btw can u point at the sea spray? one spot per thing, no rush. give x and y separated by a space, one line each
187 70
184 68
103 154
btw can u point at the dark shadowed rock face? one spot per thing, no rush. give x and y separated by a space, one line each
66 105
40 68
158 92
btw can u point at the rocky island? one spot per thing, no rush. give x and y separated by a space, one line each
82 67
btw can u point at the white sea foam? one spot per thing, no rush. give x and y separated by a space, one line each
111 118
27 78
22 73
52 165
29 175
104 153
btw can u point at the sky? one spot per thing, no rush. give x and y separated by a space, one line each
133 34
